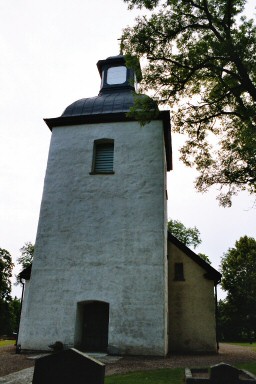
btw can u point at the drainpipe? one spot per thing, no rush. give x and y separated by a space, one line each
18 347
216 316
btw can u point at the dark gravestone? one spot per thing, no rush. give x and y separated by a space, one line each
223 374
68 367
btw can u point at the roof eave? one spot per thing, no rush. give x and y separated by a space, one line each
211 273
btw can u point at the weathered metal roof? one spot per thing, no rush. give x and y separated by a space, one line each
103 103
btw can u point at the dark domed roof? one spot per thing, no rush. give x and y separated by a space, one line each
113 97
104 103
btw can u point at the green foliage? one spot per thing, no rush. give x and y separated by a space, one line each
159 376
6 267
9 308
204 257
5 318
10 314
134 63
229 322
27 253
15 308
188 236
201 61
144 109
238 268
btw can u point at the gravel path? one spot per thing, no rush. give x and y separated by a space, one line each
11 362
230 354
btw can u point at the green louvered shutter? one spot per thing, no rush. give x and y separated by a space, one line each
104 158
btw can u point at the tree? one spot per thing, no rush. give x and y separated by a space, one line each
238 267
27 253
201 61
229 324
9 316
6 267
15 308
26 258
188 236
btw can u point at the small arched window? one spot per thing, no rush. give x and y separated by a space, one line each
103 157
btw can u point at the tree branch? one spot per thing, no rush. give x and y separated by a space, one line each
210 19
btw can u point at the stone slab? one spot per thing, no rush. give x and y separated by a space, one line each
24 376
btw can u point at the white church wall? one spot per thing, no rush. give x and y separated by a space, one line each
102 237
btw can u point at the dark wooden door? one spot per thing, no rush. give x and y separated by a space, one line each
95 327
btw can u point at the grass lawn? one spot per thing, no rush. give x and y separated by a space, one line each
157 376
252 345
162 376
251 367
244 344
5 343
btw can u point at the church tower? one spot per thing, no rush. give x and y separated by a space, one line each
99 275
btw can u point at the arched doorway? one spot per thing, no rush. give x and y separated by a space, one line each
94 319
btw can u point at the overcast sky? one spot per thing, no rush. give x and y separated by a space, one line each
49 50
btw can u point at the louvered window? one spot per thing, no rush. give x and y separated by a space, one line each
103 156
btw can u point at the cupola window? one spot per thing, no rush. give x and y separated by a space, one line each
116 75
103 159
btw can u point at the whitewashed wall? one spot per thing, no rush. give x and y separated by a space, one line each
102 237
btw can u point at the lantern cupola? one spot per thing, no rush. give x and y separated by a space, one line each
116 95
115 75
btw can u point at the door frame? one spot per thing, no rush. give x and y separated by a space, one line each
79 325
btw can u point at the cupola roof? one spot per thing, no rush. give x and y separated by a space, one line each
103 103
116 94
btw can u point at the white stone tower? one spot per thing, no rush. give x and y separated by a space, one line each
99 275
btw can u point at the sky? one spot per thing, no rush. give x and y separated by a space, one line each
49 50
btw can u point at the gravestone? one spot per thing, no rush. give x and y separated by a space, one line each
219 374
68 367
224 373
